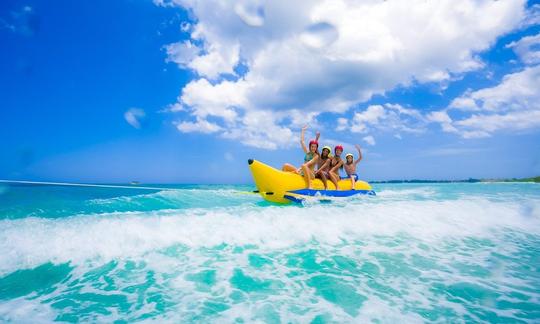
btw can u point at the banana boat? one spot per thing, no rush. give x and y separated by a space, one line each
285 187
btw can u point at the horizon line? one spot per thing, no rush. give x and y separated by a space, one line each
135 186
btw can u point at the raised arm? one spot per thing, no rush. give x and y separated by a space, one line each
359 154
302 141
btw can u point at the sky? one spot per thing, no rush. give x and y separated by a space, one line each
185 91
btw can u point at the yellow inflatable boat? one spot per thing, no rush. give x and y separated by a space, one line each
286 187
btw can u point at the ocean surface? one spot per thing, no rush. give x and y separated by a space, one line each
414 253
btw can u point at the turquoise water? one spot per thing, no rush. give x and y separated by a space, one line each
413 253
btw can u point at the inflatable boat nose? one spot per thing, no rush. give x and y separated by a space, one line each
250 161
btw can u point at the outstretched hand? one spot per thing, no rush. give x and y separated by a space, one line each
304 127
359 154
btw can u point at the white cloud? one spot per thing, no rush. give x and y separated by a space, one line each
175 107
372 116
325 56
484 124
201 126
133 117
319 35
527 49
182 53
532 16
217 61
449 151
251 12
517 91
342 124
512 105
442 118
388 117
219 100
464 103
261 129
369 140
185 26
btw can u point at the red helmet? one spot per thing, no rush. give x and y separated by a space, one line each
338 147
314 142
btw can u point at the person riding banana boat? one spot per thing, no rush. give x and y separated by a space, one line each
328 166
295 184
307 170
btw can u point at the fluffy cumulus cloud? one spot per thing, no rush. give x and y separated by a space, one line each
528 49
387 117
514 104
370 140
264 67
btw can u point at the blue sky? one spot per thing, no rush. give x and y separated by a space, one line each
187 91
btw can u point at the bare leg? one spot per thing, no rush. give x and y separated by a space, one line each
334 179
324 180
289 168
352 182
307 175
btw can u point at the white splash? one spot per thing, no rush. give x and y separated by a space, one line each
32 241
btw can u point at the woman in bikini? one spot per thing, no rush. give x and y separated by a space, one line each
323 166
310 158
335 165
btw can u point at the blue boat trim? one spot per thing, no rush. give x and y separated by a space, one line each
330 193
348 177
293 198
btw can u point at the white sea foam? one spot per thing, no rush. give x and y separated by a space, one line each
423 246
178 196
425 192
25 311
32 241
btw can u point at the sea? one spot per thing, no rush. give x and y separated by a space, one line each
414 253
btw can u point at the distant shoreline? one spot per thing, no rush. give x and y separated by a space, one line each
470 180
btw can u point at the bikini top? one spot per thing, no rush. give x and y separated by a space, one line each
332 164
309 156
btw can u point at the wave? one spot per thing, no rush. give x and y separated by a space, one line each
416 192
32 241
63 202
177 199
223 256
